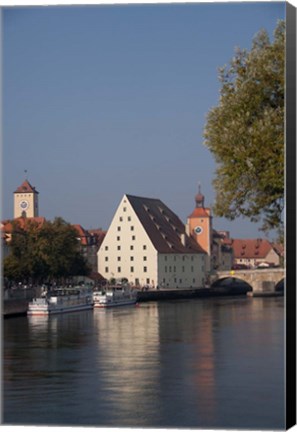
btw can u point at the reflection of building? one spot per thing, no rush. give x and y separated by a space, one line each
128 360
146 243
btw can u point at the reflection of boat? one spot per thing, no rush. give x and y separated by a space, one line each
61 300
114 296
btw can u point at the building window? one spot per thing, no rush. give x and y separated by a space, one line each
119 247
119 269
144 258
133 237
174 280
118 238
174 269
183 269
131 247
131 258
192 258
170 269
165 258
119 228
119 258
121 219
106 269
129 218
192 269
124 209
174 257
148 281
183 257
145 269
194 280
106 258
132 228
144 247
131 269
106 247
180 281
165 269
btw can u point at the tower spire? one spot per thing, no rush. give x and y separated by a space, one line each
199 198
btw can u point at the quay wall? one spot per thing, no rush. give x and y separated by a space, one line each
176 294
14 307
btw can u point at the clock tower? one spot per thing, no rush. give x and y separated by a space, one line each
199 226
25 201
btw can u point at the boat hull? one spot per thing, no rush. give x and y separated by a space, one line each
52 311
114 297
61 301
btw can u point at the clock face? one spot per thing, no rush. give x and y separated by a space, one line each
198 230
24 204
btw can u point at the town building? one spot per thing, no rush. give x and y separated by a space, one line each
26 201
26 211
219 255
147 245
252 253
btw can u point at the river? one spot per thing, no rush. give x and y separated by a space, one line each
202 363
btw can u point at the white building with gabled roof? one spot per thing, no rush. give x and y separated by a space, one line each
146 243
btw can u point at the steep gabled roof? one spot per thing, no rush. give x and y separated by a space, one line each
26 187
165 230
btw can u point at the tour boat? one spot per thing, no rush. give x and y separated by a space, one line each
114 296
61 300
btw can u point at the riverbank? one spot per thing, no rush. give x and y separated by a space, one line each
16 307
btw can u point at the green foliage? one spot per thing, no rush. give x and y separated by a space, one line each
245 133
44 254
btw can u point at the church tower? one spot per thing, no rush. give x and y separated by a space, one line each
25 201
199 226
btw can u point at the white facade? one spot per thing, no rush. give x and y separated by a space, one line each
128 249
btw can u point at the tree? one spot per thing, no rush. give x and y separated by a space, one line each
44 253
245 133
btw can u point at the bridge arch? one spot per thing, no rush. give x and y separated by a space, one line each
280 285
262 281
234 283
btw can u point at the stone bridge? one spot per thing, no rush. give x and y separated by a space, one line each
262 281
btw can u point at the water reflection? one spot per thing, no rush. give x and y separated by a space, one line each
189 364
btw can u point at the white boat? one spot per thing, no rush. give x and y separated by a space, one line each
114 296
61 300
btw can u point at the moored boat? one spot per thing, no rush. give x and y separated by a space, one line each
114 296
61 300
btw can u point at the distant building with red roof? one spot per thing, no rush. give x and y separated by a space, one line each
254 252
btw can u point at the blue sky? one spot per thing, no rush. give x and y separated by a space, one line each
104 100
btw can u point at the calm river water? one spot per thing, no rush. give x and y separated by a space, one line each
203 363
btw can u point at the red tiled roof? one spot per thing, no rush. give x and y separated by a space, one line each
26 187
251 248
200 212
82 234
163 227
